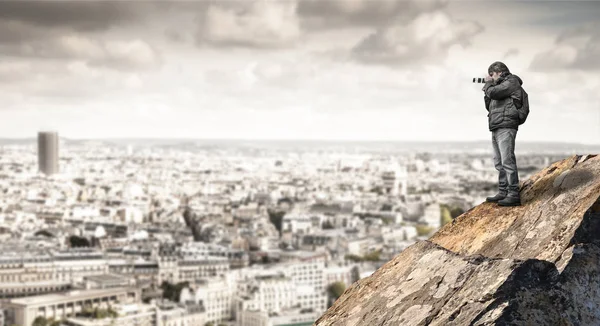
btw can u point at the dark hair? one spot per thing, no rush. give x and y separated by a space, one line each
498 67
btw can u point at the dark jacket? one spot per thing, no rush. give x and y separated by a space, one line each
500 98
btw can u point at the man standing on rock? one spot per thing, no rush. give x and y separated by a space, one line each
503 120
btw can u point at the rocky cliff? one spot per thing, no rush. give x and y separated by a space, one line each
535 264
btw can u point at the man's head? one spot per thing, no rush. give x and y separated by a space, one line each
497 70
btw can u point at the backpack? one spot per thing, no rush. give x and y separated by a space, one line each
522 106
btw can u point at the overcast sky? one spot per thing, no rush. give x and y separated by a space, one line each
295 69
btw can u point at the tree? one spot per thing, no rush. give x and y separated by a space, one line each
336 289
173 291
446 216
327 225
387 207
387 220
112 313
456 211
44 233
76 241
100 313
372 256
423 230
353 257
276 217
40 321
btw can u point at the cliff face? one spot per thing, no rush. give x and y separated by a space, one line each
538 263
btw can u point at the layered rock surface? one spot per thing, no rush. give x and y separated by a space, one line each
536 264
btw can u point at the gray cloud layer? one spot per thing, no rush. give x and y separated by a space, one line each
575 48
80 15
427 37
318 14
75 31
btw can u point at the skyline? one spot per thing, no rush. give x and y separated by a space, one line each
284 70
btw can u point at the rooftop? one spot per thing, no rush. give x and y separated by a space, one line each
56 298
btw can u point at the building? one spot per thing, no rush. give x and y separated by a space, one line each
309 278
360 246
170 314
394 179
296 224
128 314
215 295
290 317
270 293
335 273
191 268
23 311
48 152
432 215
30 275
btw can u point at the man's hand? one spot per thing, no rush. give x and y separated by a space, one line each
488 82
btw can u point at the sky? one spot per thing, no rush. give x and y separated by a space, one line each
295 69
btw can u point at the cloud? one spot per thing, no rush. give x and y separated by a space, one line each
426 38
319 14
575 48
117 54
76 30
511 52
12 69
77 15
175 36
257 24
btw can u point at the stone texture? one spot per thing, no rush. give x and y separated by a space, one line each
537 264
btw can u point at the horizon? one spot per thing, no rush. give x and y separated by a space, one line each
34 138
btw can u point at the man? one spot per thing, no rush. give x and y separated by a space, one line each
502 95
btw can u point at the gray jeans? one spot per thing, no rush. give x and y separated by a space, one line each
503 140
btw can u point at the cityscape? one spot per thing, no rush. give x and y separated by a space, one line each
151 232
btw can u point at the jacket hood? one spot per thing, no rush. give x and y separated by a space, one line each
516 77
519 79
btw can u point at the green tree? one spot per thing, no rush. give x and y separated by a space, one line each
387 207
336 289
327 225
276 217
446 216
352 257
372 256
100 313
456 211
387 220
40 321
423 230
112 313
173 291
76 241
44 233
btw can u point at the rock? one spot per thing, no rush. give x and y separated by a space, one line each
536 264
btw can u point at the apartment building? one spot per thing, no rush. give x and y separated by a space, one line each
23 311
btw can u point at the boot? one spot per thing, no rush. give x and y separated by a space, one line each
499 196
510 201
